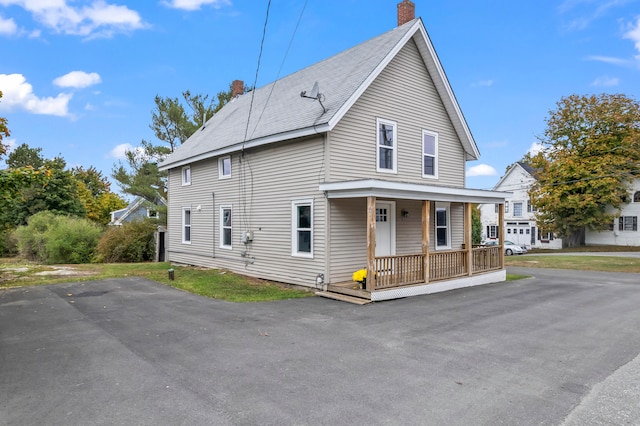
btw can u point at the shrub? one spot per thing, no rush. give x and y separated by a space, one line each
131 242
72 240
50 238
8 243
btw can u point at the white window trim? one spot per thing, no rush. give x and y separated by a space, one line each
380 121
447 208
435 157
222 227
185 209
154 216
221 174
294 229
514 209
186 182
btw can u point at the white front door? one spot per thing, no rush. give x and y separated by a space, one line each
385 228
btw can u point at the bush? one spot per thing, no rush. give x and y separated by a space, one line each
8 243
50 238
131 242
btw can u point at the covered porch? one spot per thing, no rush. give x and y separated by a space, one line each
436 265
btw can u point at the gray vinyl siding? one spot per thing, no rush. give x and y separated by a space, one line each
404 92
260 191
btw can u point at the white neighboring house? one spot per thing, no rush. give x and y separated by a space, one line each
624 230
519 216
139 208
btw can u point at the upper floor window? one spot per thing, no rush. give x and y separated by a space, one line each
225 227
302 228
186 175
517 209
387 146
224 167
186 225
443 230
530 207
628 223
506 207
429 154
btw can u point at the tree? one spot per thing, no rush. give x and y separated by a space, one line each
24 156
94 191
4 132
591 153
171 123
476 225
26 191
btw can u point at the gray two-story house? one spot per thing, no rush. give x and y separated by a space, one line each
356 162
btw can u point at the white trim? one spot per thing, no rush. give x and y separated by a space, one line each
223 227
221 174
393 148
435 156
294 228
186 175
409 191
439 286
184 226
447 208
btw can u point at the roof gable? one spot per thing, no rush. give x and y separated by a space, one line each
278 112
519 166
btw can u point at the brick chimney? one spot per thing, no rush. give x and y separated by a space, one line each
406 12
237 88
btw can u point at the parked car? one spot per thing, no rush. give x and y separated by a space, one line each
509 247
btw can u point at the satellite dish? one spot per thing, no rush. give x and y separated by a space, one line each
314 91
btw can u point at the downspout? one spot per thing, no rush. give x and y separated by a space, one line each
213 227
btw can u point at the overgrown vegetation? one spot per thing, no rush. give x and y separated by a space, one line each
131 242
51 238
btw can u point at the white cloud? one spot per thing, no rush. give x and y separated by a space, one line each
535 148
482 83
118 152
77 79
634 35
608 60
195 4
8 26
606 81
481 170
97 19
18 94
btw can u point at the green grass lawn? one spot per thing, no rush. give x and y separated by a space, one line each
215 283
581 263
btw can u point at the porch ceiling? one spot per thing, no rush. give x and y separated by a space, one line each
410 191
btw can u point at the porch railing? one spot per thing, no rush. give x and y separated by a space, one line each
395 271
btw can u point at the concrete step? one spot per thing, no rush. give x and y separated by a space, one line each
343 297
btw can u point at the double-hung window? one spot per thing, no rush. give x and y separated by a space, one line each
628 223
517 209
224 167
429 154
225 227
186 175
506 207
387 160
492 231
186 225
443 230
302 228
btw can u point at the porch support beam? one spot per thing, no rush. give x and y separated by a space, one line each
371 244
501 233
426 219
468 237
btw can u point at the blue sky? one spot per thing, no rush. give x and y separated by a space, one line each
79 76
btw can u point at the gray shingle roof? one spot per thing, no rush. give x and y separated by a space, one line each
279 112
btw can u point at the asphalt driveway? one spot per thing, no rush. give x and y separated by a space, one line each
131 351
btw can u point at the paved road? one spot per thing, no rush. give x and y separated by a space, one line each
532 352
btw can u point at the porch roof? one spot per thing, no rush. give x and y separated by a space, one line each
410 191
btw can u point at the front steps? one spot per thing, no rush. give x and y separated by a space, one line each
343 297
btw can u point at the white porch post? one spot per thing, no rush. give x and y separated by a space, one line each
426 213
501 233
371 244
468 237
